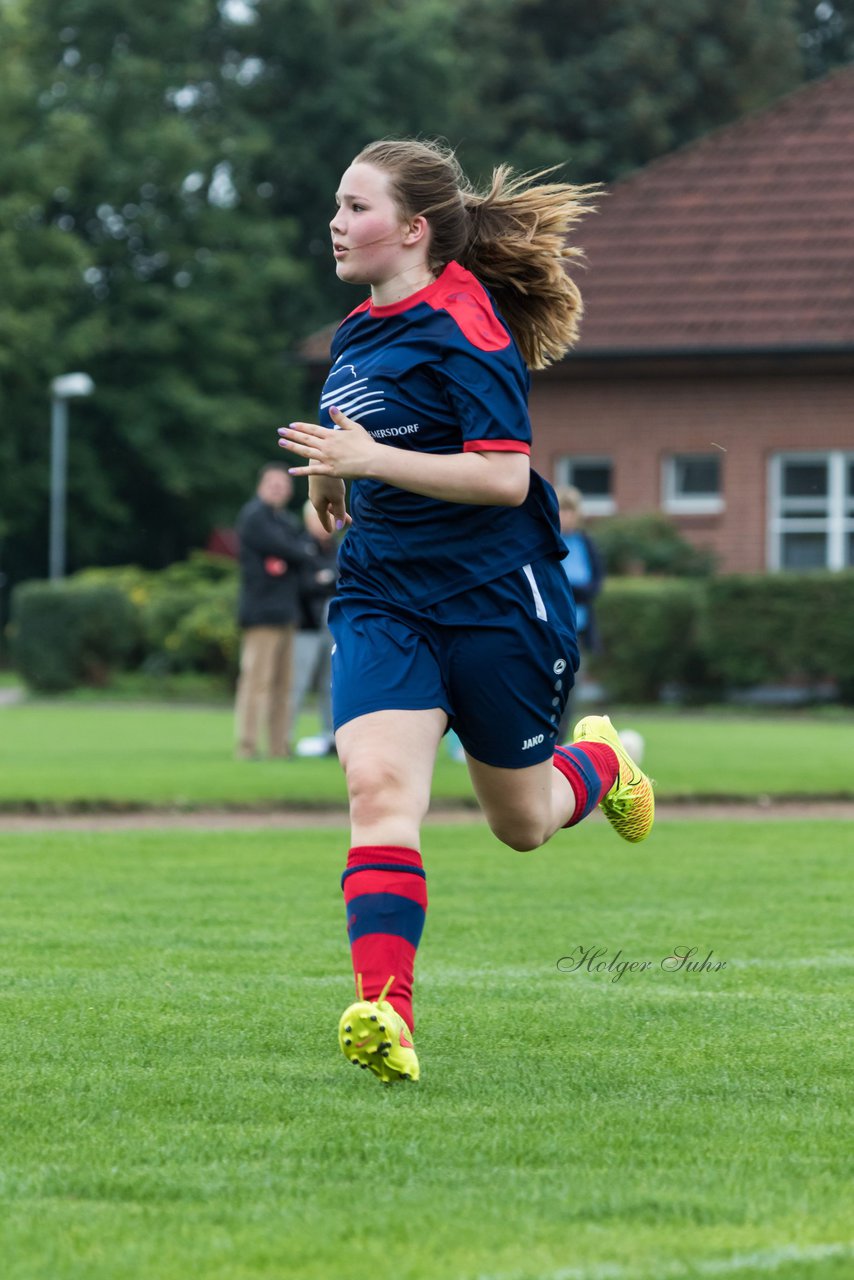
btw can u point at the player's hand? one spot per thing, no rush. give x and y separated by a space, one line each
327 497
346 453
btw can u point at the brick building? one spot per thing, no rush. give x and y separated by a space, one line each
715 375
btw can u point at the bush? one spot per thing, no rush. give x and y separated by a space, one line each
702 635
65 633
781 628
186 612
649 544
206 637
200 571
650 637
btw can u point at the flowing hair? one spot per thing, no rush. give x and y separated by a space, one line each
512 237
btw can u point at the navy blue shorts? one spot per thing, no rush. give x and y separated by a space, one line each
499 660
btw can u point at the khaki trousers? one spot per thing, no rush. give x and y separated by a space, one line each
263 689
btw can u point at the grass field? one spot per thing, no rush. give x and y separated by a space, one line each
173 1103
67 753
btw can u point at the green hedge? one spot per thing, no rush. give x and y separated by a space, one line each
649 543
65 634
781 628
187 613
82 629
725 634
649 630
703 635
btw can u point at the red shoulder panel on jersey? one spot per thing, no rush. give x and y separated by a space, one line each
496 446
464 298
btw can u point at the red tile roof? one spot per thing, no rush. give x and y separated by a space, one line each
742 240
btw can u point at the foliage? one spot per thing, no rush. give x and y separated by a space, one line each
761 629
79 631
186 613
826 34
649 543
725 633
64 634
699 635
610 87
206 637
125 250
649 631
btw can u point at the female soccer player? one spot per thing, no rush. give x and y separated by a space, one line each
453 608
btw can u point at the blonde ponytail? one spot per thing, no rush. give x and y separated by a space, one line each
517 247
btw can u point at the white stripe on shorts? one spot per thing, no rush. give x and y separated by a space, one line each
535 592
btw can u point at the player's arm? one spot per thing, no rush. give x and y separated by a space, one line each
482 477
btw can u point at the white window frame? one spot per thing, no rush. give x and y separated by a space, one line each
687 504
834 514
593 506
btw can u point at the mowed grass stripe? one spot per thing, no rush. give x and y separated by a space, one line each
172 1100
84 756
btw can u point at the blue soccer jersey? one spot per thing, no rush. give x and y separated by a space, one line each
438 372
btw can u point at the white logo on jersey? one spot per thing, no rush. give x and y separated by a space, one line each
350 394
382 433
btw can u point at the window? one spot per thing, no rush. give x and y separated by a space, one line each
594 478
692 483
811 511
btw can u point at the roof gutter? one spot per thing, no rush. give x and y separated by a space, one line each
719 353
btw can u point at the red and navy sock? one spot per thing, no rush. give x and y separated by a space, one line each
591 770
385 892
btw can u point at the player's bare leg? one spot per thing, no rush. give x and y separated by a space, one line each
524 807
388 759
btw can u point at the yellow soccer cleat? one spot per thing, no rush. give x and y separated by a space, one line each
630 804
373 1035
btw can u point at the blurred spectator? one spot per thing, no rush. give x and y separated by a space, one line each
273 549
584 567
313 644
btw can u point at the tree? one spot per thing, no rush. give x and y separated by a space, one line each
826 34
596 89
605 88
45 316
163 276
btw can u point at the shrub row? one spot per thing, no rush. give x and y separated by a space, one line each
781 628
64 635
703 635
649 543
80 630
708 636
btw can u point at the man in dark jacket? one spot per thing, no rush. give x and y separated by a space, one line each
273 548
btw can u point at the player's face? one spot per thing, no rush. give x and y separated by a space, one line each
367 230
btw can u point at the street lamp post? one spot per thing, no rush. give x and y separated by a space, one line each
62 389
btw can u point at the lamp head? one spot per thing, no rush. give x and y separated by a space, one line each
69 385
